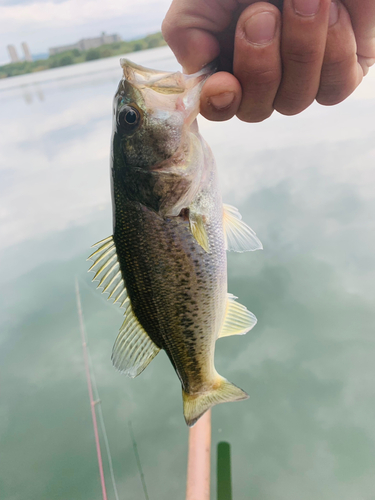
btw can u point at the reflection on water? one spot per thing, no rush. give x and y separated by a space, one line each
306 185
32 92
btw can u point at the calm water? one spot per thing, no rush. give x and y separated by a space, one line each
306 185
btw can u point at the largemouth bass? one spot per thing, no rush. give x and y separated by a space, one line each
166 261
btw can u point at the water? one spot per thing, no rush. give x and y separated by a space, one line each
306 185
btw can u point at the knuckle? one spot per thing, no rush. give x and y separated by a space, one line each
304 55
339 65
264 80
331 93
167 28
264 76
254 115
291 104
338 80
340 58
330 96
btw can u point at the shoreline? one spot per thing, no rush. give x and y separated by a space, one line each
75 57
86 69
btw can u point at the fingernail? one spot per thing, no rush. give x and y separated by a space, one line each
260 28
306 7
333 13
222 101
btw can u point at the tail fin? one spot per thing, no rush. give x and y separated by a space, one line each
197 404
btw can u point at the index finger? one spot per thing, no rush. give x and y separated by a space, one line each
189 29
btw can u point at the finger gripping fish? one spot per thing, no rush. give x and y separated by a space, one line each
166 261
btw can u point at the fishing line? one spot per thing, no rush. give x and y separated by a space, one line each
100 413
102 425
99 296
91 396
91 378
138 460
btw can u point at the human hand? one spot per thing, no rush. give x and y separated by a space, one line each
273 60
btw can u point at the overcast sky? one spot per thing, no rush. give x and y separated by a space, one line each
47 23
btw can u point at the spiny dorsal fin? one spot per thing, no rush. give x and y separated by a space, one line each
198 229
239 237
107 270
238 320
133 349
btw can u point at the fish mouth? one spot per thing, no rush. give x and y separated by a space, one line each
173 90
165 82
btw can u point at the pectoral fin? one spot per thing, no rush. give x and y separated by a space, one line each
198 229
238 320
239 237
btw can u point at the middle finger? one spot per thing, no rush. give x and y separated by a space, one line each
303 40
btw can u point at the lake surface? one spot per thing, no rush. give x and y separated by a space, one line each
306 185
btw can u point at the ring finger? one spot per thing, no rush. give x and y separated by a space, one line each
304 34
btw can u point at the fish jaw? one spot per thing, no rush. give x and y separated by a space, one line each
168 91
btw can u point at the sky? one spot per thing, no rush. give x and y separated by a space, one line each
48 23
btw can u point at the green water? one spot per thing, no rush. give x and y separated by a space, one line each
306 185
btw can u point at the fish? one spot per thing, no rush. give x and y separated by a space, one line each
166 263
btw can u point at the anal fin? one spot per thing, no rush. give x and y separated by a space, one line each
238 320
133 349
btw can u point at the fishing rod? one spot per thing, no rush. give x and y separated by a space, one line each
89 386
199 460
198 469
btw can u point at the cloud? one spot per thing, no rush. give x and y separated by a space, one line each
71 12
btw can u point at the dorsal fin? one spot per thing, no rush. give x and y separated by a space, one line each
133 349
107 270
239 237
238 320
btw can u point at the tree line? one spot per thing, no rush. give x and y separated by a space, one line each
76 56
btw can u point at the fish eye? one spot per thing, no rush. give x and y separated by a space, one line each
131 117
128 118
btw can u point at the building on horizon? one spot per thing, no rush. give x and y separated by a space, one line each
26 52
87 43
13 53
